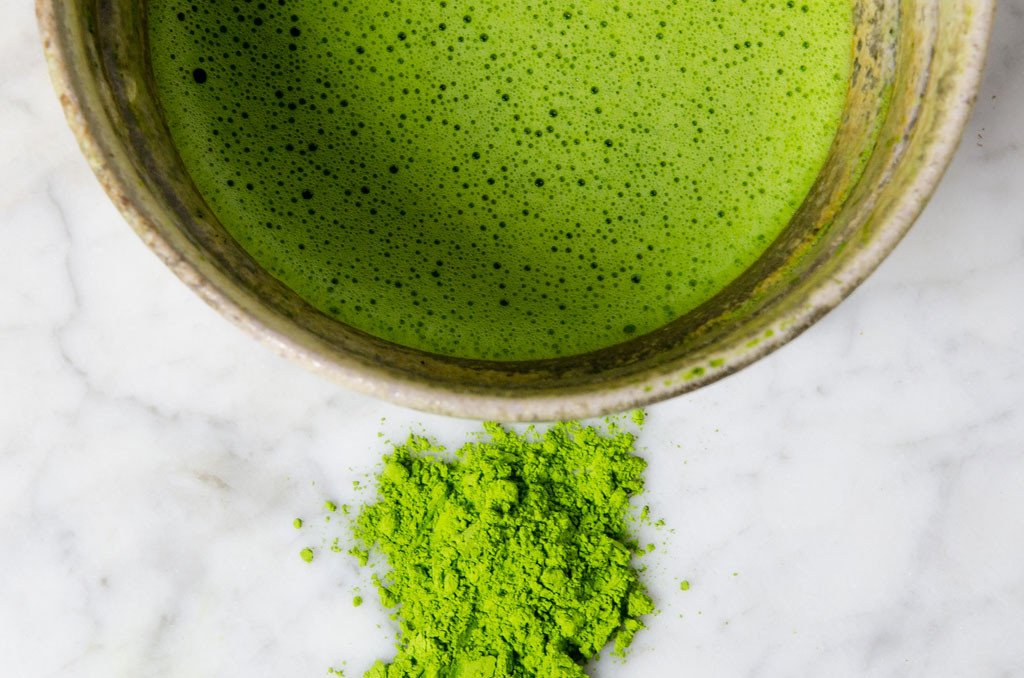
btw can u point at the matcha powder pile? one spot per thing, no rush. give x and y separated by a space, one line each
511 557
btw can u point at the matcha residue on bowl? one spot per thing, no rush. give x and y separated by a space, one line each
511 557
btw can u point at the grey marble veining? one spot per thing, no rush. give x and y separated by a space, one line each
850 506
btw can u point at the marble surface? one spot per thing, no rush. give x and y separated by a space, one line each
851 506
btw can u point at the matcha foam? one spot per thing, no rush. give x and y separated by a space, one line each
503 180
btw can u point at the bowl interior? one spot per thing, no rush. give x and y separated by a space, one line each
916 65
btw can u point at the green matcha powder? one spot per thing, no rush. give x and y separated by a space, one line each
510 558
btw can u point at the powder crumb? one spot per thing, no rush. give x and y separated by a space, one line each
638 416
297 523
357 601
330 506
684 585
306 554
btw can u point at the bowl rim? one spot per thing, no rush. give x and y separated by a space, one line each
650 386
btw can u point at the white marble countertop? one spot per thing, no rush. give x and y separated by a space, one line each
865 484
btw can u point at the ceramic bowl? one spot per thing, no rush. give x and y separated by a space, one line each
916 73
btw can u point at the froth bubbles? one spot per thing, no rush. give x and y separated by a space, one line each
503 180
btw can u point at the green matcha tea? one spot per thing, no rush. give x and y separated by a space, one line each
512 179
514 557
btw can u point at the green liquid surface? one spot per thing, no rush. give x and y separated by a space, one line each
506 179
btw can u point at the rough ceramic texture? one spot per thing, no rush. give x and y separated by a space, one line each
917 65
